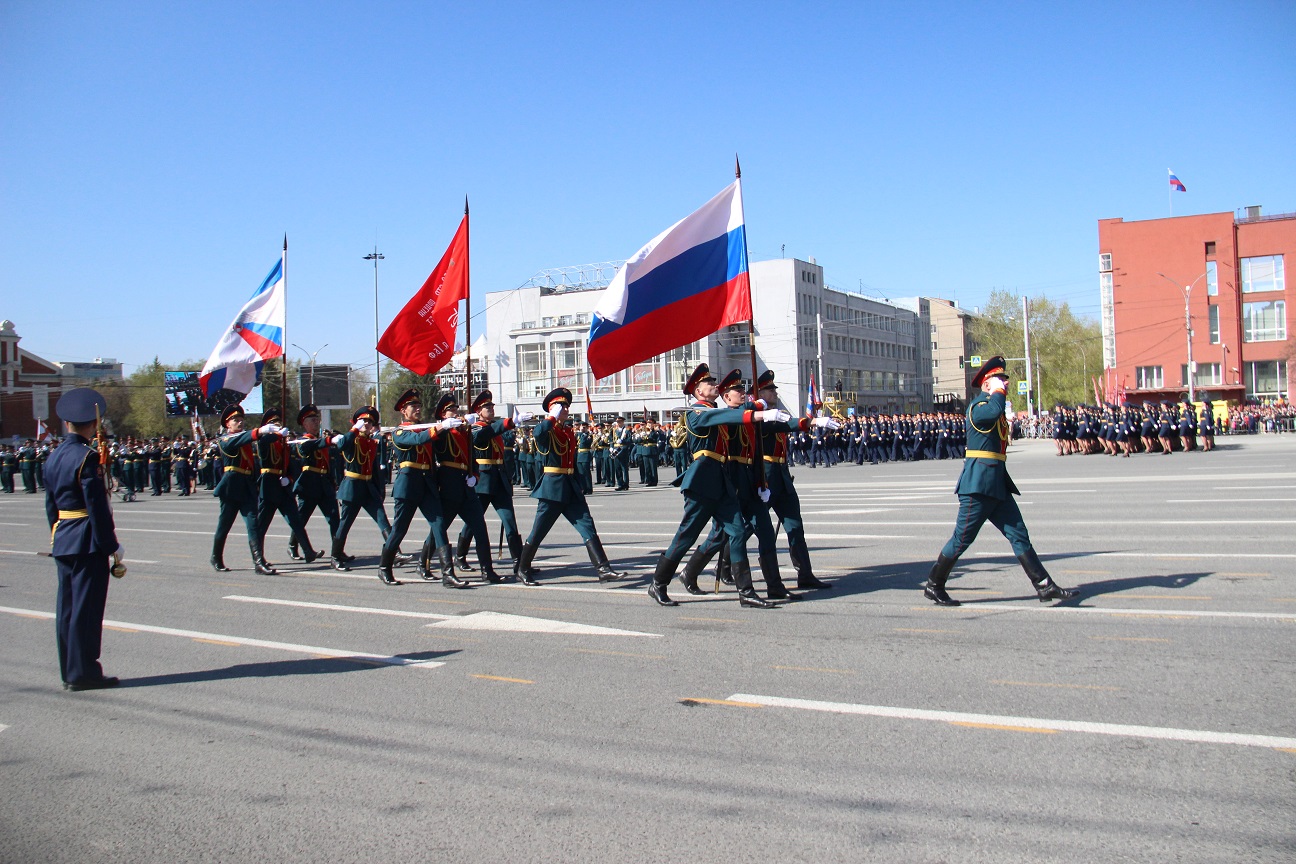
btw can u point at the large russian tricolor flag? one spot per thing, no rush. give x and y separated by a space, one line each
686 283
255 335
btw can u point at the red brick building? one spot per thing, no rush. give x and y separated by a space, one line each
29 387
1230 272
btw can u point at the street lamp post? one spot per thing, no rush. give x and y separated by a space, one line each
1192 392
312 359
375 257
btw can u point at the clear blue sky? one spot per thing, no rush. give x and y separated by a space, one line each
152 155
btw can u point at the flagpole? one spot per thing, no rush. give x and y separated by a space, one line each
468 396
283 365
751 329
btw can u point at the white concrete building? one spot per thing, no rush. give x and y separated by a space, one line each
536 337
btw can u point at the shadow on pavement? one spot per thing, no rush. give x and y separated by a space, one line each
278 668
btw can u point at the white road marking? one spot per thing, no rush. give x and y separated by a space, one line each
1108 523
1192 554
1110 610
1213 501
1158 732
16 552
16 524
398 613
251 643
500 621
475 621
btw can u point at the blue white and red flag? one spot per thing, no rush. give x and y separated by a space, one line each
256 335
686 283
1175 183
812 398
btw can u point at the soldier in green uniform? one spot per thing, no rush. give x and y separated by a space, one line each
584 456
457 478
358 491
985 492
416 488
708 491
27 466
314 487
237 489
8 465
494 484
646 448
559 492
274 487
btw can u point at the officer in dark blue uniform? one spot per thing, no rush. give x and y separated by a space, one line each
985 492
82 540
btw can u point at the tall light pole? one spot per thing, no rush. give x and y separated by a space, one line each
375 257
1192 392
312 358
1030 403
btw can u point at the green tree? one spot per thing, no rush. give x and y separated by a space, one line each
1067 349
396 379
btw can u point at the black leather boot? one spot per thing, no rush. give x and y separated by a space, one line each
747 595
293 552
693 569
310 554
461 553
522 568
600 561
385 567
514 546
724 569
218 556
806 581
1045 587
774 587
338 558
448 577
661 578
425 571
934 589
258 560
488 567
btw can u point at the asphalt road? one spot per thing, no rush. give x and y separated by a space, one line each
1149 720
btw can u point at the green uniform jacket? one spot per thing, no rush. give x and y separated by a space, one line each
414 447
705 479
238 480
987 433
488 444
556 447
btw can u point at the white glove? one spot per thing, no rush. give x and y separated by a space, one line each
998 385
825 423
268 429
470 419
1008 410
472 481
520 417
773 415
360 425
120 553
759 404
449 423
337 440
764 495
284 481
556 411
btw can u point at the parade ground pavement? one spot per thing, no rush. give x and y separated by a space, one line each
319 716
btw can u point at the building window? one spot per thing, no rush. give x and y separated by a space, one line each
533 371
1265 321
569 365
1208 375
1210 248
1213 316
609 386
679 365
1149 377
1212 278
1266 379
646 377
1262 274
1104 262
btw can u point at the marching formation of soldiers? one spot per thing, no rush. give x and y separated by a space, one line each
1119 430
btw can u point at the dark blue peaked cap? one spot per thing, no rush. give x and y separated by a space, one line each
78 406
